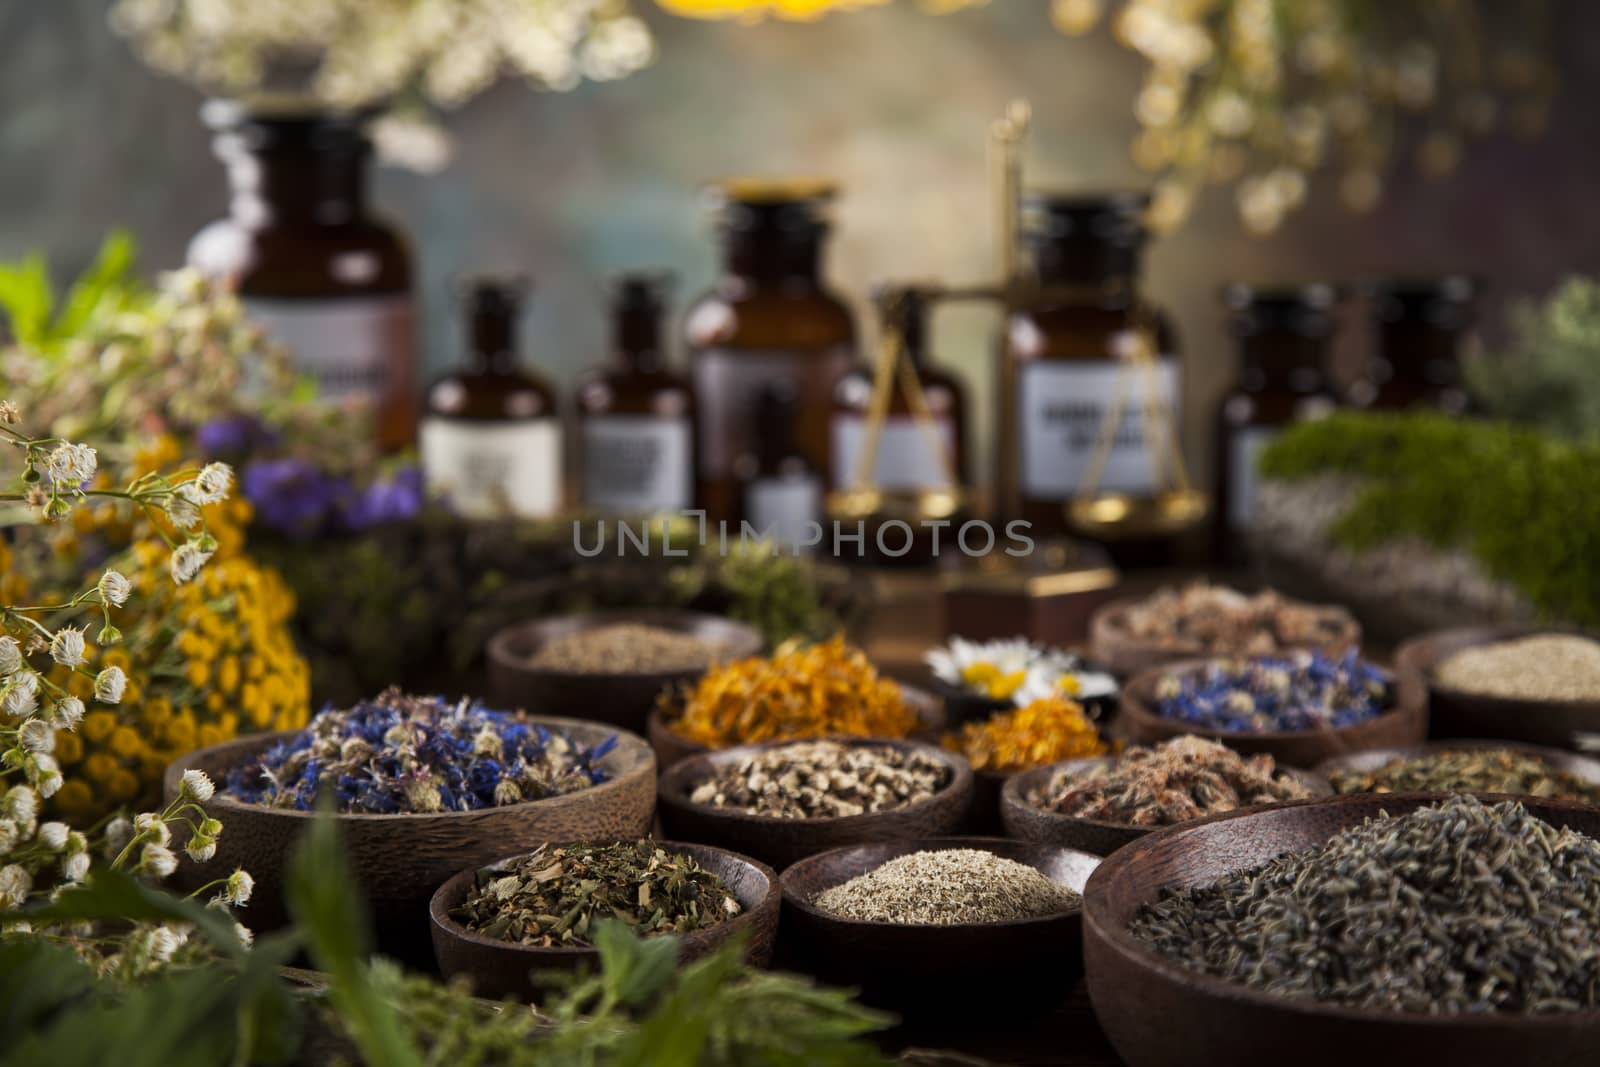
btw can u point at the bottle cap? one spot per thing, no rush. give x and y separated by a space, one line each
1307 309
1444 301
1114 217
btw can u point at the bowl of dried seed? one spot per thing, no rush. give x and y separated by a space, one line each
502 924
1536 685
1101 804
1369 929
610 666
929 926
785 800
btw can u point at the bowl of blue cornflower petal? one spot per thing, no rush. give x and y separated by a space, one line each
422 787
1300 707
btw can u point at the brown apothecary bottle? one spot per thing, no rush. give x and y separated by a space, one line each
908 457
311 263
769 317
1066 345
635 417
490 437
1420 330
780 492
1285 335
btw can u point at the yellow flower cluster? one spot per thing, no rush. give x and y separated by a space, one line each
1048 730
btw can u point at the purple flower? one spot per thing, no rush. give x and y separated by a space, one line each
393 499
292 496
232 436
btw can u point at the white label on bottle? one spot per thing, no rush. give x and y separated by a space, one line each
911 454
349 345
489 470
727 388
1244 450
784 505
637 464
1062 409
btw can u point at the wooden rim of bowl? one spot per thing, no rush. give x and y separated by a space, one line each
929 708
1108 622
628 743
1423 655
1119 939
1138 703
1368 760
440 916
794 898
1016 791
674 784
740 640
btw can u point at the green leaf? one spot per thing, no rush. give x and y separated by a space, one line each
636 969
106 287
27 300
113 895
39 980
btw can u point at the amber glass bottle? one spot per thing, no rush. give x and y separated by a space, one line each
768 318
907 459
636 417
1064 346
1420 327
491 434
779 488
1285 335
313 265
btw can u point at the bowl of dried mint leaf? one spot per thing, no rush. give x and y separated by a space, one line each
500 925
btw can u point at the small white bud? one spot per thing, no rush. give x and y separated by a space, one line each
214 482
240 886
157 860
67 713
10 656
196 786
66 647
53 835
36 735
115 588
187 561
109 685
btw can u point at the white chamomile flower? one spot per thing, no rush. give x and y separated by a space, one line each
1055 677
196 786
75 866
67 713
38 736
183 506
119 832
10 656
240 886
200 848
115 588
71 464
157 860
150 825
15 885
109 685
47 775
995 669
20 695
187 561
66 647
54 835
20 804
213 483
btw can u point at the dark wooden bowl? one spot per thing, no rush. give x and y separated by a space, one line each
1366 762
1404 722
623 699
670 747
1028 822
1160 1014
1457 713
930 970
399 860
1124 655
501 969
781 842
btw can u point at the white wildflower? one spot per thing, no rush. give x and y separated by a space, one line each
214 482
115 588
36 735
53 835
66 647
8 412
67 713
149 825
20 695
10 656
240 886
119 832
20 805
72 464
196 786
165 941
8 836
242 932
109 684
183 506
75 866
15 885
200 848
157 860
77 842
47 775
187 561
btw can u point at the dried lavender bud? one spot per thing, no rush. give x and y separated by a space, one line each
1498 770
1302 691
554 895
402 753
1542 667
823 780
1178 780
957 885
625 648
1217 621
1457 907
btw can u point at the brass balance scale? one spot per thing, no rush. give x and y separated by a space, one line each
1173 507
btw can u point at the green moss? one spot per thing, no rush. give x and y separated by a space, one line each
1524 504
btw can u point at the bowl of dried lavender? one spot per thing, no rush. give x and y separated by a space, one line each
421 787
1468 767
1358 929
502 923
785 800
1101 804
609 666
1301 708
1537 685
936 925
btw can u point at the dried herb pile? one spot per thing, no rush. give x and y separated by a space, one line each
1541 667
554 895
625 648
1457 907
1178 780
1497 770
1046 730
823 780
1300 691
1213 620
956 885
409 754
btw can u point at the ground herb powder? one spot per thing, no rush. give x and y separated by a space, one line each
959 885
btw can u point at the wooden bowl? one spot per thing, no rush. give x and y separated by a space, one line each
623 699
1160 1014
930 970
1403 722
501 969
1124 655
1028 822
670 747
1457 713
399 860
781 842
1365 762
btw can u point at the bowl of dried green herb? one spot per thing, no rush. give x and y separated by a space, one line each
1396 928
501 924
939 925
610 666
1468 767
785 800
1537 685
